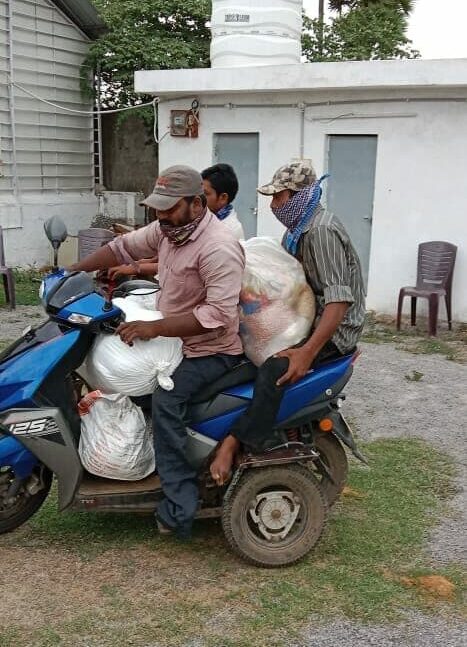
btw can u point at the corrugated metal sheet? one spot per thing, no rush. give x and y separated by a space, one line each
54 149
84 14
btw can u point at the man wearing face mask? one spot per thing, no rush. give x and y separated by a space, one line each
332 268
200 265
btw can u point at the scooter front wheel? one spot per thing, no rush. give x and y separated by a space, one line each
275 515
19 505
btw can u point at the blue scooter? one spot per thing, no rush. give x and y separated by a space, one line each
275 507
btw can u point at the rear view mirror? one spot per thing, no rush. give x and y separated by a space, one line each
55 231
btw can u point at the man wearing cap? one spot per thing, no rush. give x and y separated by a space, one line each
200 266
320 242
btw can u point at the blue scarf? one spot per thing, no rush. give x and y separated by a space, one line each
293 235
225 211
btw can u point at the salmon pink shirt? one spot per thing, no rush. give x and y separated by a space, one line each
202 277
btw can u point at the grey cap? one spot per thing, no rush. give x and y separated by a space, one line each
294 176
173 184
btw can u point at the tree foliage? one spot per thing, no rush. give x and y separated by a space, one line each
165 34
340 5
147 35
362 30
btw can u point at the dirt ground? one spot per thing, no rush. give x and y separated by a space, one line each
13 322
393 393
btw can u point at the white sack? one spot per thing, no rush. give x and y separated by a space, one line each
115 442
114 367
277 306
144 298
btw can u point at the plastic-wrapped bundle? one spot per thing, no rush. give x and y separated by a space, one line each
277 306
115 441
114 367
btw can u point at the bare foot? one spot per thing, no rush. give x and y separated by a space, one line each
221 466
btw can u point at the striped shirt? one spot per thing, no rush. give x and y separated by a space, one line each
332 269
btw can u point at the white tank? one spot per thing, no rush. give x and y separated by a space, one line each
256 32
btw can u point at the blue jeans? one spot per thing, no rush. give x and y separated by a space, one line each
254 428
178 478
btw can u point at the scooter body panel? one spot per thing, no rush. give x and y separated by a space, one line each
22 375
92 306
235 400
43 434
13 454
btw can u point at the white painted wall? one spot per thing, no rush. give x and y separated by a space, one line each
420 187
28 245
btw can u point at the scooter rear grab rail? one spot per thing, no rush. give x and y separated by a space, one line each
127 287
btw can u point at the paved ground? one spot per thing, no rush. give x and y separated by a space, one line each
13 322
435 409
385 401
418 631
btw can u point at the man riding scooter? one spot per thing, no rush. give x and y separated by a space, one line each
200 265
220 188
332 268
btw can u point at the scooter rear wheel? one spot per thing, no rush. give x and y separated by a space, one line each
30 497
275 515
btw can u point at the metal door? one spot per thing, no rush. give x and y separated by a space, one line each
241 150
350 189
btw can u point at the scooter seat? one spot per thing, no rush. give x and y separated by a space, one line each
245 371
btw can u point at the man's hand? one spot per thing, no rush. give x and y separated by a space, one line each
300 360
121 270
137 330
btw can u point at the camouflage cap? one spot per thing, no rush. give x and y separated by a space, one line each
294 176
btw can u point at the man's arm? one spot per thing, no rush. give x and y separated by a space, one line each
139 244
178 326
333 272
144 267
300 359
101 259
221 270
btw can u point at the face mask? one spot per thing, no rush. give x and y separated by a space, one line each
289 214
179 235
313 198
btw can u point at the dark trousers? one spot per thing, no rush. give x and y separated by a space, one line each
254 428
178 478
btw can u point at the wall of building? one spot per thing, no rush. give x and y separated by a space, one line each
129 154
420 188
46 153
28 246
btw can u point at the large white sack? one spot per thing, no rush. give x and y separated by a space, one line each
115 442
277 306
143 297
114 367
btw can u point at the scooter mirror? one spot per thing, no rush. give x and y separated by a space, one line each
55 231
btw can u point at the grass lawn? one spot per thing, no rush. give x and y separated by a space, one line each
450 343
109 580
27 288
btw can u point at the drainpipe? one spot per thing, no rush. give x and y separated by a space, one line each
320 27
99 126
301 107
100 195
11 103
